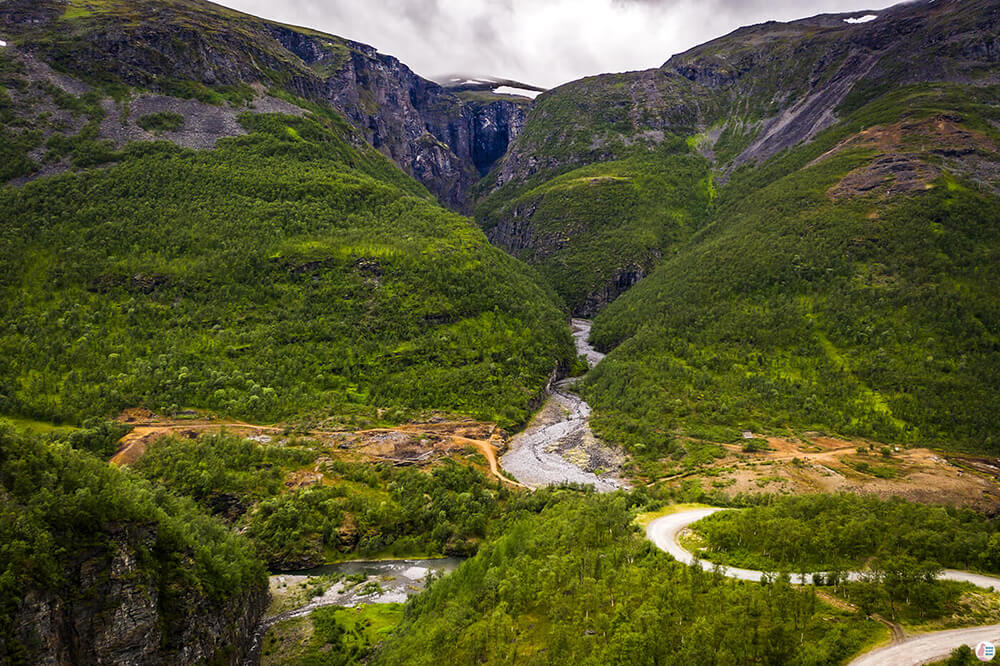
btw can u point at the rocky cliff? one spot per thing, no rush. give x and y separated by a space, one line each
118 613
760 89
99 567
200 50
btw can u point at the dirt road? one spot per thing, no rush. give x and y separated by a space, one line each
928 647
410 443
905 650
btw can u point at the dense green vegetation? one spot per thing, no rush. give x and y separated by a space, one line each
356 510
594 223
379 510
845 531
60 507
869 314
335 636
221 465
284 272
576 584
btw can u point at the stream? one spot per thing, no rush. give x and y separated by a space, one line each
396 580
558 445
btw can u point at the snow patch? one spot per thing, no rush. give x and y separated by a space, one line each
508 90
867 18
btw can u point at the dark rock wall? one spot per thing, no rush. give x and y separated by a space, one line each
113 611
432 134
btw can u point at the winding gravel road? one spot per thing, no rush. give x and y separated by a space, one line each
558 445
914 650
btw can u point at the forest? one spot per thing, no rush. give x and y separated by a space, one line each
358 510
577 584
845 531
870 314
286 273
65 511
595 223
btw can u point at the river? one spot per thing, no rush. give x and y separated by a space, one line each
395 579
558 445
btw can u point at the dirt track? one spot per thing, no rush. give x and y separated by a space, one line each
816 463
408 444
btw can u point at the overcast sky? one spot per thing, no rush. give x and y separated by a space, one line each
545 42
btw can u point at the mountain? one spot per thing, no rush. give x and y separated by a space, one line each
272 264
791 229
201 51
206 210
459 83
738 100
815 206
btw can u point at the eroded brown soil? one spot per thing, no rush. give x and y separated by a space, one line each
907 155
418 444
813 463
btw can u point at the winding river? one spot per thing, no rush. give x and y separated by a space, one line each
558 445
664 532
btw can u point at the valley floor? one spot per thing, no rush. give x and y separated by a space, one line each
558 445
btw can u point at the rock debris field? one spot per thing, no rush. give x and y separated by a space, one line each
558 445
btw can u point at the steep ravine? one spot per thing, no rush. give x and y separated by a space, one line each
558 445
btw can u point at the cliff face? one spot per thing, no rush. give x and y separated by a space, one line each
118 613
197 49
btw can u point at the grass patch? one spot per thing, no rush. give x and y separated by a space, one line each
332 634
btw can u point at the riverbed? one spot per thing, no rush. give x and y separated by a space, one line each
558 445
383 582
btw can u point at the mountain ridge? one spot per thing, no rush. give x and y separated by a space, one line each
191 49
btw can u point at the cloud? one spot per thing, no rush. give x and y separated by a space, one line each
546 42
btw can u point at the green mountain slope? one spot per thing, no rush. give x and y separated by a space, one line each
850 285
286 272
597 230
576 584
738 100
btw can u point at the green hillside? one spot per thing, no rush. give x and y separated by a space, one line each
577 584
850 285
598 229
286 272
